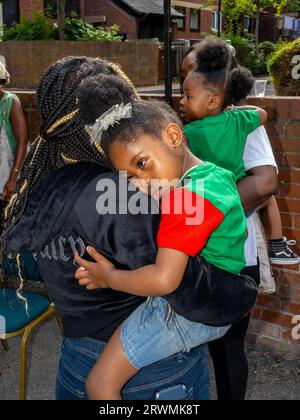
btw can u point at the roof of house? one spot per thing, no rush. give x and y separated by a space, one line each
155 7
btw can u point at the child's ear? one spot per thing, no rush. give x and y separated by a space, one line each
214 103
174 135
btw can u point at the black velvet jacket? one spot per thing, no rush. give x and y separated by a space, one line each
62 218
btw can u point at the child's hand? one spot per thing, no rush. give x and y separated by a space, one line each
93 275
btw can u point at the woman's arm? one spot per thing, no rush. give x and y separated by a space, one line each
260 165
159 279
258 187
19 127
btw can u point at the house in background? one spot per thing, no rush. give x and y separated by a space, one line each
140 19
273 27
137 19
13 9
71 6
9 12
198 19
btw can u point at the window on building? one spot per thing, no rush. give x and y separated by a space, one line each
246 24
215 21
1 17
180 21
71 6
195 20
11 13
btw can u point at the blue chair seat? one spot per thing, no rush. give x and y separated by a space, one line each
29 267
13 311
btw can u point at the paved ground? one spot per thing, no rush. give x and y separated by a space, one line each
272 377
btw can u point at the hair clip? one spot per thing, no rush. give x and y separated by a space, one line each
111 117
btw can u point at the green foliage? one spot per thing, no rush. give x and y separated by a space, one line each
233 9
78 30
267 48
244 49
283 66
37 28
246 53
41 27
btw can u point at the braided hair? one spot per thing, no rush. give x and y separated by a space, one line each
63 138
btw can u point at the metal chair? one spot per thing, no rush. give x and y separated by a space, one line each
16 321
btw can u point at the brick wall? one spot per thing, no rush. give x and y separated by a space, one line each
114 14
206 16
27 7
29 108
271 324
273 317
27 60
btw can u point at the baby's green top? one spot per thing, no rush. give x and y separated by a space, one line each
221 139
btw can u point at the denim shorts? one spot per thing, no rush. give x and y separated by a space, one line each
153 332
79 356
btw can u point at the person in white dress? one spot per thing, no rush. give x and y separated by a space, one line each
13 139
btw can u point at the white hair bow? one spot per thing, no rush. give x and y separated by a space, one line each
111 117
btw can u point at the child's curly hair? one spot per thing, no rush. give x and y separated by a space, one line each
96 95
221 72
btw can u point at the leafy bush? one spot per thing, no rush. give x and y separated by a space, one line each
259 65
245 50
41 27
37 28
282 67
78 30
267 48
246 54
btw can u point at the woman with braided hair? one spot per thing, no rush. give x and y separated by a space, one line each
62 140
60 207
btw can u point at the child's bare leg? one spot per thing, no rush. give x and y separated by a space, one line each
270 216
111 372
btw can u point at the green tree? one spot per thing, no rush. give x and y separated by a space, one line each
233 9
61 14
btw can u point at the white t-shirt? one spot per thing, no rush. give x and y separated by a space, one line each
258 152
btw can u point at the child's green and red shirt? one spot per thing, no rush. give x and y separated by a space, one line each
206 216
